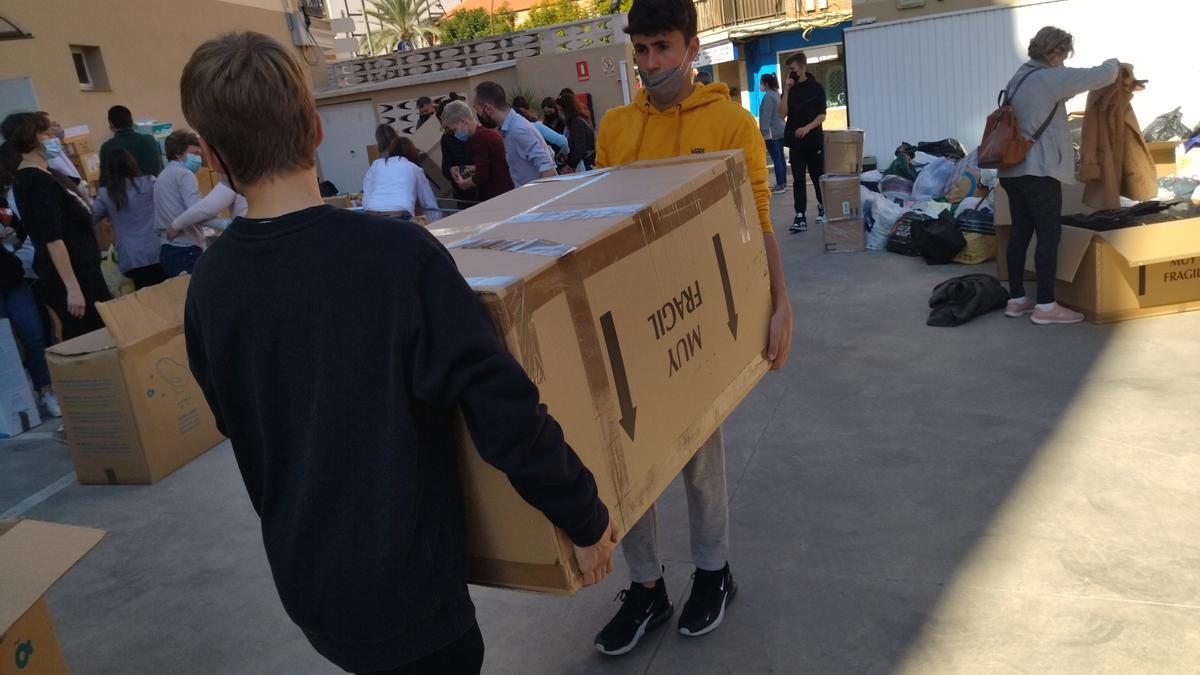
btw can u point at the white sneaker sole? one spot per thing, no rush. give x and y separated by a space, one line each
1055 322
715 624
1017 315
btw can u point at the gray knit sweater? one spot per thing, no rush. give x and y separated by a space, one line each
1053 155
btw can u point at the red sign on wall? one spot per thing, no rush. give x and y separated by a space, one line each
581 71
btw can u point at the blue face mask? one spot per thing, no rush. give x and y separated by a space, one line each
192 162
52 148
462 135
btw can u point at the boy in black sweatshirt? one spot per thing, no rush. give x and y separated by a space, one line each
334 349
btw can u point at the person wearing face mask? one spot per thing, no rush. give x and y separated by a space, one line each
61 163
771 125
803 102
529 158
66 255
144 148
488 175
456 154
176 191
674 116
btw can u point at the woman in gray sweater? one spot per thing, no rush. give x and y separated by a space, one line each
771 124
1039 88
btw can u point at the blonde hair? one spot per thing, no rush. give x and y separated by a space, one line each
1050 41
249 99
455 112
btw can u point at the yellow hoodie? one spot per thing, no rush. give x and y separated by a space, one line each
706 121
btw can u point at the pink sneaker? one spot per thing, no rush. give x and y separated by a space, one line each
1055 315
1019 308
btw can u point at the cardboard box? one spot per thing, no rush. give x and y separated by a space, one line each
844 152
78 141
637 299
841 196
132 410
34 555
18 407
88 165
1133 272
1163 154
1187 163
845 235
206 178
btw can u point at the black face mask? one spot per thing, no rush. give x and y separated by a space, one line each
794 77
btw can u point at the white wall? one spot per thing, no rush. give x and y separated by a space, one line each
936 77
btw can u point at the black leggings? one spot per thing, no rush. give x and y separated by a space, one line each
808 156
91 282
1036 206
464 656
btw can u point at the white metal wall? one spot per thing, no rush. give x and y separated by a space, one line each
930 78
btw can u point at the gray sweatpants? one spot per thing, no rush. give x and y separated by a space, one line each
708 513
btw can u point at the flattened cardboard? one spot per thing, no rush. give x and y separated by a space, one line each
1130 273
844 151
842 196
132 410
34 555
637 299
845 235
18 409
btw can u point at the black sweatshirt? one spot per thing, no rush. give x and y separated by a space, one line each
806 101
334 349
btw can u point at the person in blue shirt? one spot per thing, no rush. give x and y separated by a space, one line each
528 156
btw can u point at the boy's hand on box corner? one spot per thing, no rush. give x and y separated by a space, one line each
595 561
779 340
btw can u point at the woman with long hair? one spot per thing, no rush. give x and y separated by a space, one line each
385 135
580 134
67 258
772 126
396 186
127 199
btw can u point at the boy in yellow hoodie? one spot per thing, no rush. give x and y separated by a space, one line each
674 116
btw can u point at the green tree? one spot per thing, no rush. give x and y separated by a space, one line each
396 20
550 12
602 7
464 26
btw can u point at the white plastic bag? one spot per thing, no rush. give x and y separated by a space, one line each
880 215
931 182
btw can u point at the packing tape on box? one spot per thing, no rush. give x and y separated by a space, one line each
545 247
736 175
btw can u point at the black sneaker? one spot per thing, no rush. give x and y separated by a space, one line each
800 224
820 214
642 610
705 609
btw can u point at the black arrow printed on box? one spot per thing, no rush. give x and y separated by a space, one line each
725 284
620 378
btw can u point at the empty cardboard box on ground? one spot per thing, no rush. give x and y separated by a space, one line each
34 555
844 152
637 299
1133 272
132 410
18 407
844 228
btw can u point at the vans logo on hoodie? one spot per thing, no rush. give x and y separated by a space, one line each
697 151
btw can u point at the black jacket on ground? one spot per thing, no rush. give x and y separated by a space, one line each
958 300
334 349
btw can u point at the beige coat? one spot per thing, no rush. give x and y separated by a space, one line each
1114 159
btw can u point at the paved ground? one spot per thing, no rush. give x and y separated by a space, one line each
997 497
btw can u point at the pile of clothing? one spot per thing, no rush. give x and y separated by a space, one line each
932 201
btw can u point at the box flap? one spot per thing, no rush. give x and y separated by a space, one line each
1161 242
34 555
95 341
147 312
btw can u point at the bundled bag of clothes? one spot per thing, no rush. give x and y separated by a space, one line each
1181 187
901 166
958 300
901 239
897 188
938 241
964 181
879 215
947 147
931 182
1167 127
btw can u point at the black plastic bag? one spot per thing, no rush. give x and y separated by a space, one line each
971 220
947 147
1167 127
938 241
901 239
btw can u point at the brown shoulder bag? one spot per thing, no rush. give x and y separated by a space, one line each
1003 144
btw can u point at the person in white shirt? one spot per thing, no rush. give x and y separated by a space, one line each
396 186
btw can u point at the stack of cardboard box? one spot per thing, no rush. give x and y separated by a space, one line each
77 143
844 231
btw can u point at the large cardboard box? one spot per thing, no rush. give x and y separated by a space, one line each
637 299
1163 154
78 141
845 235
132 410
1133 272
841 196
18 408
844 152
34 555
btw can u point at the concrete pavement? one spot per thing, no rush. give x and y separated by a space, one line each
998 497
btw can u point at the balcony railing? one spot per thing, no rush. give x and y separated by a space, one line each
560 39
714 14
